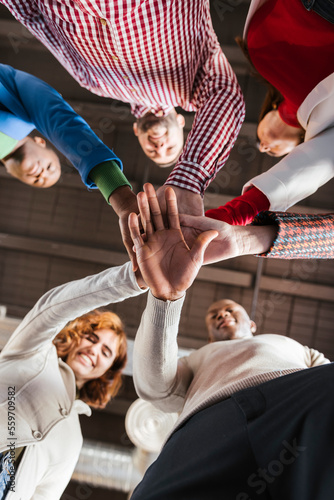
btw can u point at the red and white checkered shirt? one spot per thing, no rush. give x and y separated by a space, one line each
155 55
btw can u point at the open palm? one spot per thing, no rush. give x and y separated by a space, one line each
167 264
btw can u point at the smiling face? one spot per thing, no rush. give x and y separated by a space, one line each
161 138
33 163
227 320
93 356
276 137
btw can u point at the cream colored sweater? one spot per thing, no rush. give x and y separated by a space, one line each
211 373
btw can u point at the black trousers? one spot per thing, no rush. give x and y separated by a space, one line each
274 441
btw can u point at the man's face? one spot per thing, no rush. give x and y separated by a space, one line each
33 163
227 320
161 138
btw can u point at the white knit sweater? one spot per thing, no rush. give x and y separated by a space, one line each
211 373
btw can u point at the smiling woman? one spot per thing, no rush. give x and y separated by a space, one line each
94 346
52 369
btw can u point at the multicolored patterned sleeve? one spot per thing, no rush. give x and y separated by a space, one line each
300 236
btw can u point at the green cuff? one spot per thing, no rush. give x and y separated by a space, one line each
7 144
108 177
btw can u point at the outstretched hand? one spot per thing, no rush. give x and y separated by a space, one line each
167 264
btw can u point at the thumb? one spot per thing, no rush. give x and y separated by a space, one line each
201 243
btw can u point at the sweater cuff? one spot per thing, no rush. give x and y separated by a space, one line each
164 314
108 177
241 210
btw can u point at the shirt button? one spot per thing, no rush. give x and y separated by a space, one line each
103 21
37 435
63 412
115 58
160 113
125 77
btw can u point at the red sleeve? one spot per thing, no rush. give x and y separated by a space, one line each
242 210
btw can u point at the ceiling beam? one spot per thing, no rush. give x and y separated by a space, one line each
211 274
108 257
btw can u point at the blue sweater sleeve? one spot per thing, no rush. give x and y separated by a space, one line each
35 101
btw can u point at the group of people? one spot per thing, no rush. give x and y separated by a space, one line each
254 421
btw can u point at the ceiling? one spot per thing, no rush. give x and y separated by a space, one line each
49 237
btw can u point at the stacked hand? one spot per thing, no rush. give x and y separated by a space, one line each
167 264
187 201
232 241
224 246
124 202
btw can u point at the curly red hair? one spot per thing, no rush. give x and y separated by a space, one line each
97 392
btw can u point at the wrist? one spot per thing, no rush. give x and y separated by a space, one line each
188 201
168 296
140 281
121 199
251 240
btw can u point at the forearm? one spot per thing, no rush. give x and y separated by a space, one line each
299 174
299 236
278 235
123 200
155 365
66 302
31 99
251 240
215 128
287 236
108 177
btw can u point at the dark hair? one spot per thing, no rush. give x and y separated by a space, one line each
95 392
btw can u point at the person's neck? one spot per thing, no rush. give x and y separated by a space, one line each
285 130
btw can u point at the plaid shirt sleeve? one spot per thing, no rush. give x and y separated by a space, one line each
300 236
217 122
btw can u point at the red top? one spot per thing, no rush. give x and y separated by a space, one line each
293 49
